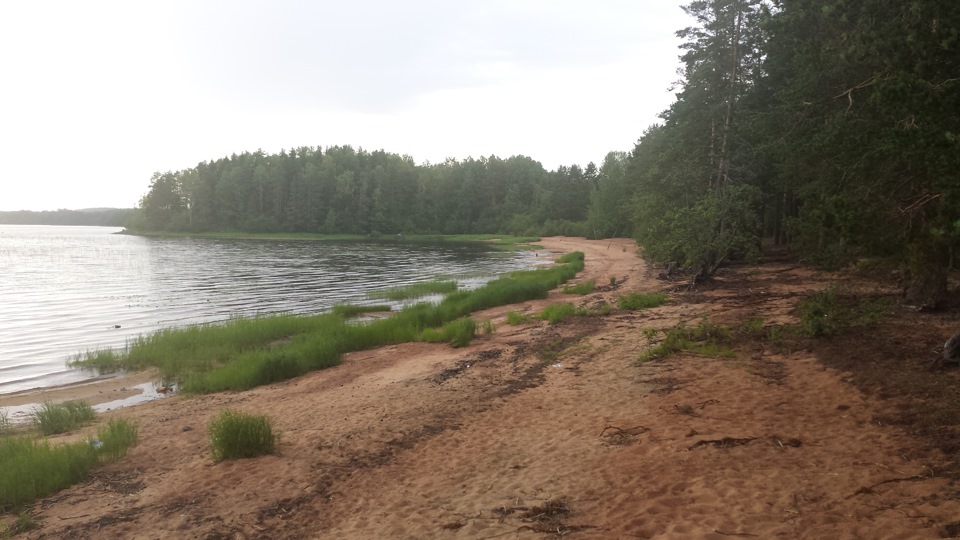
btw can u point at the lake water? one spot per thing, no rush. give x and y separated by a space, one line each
65 290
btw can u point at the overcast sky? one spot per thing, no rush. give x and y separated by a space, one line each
96 96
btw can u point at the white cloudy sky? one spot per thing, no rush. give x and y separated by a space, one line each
95 96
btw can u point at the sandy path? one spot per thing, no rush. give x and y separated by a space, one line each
535 430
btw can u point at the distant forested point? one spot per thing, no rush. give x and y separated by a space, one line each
101 217
342 190
826 126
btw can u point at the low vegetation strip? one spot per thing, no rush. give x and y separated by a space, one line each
416 290
244 353
34 468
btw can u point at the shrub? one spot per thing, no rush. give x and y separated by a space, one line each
636 301
236 435
54 418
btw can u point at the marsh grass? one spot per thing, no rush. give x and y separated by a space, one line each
54 418
4 421
35 468
236 435
416 290
244 353
707 339
586 287
349 310
637 301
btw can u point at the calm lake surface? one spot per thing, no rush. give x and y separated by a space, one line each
65 290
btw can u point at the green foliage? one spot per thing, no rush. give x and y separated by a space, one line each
457 333
54 418
116 438
515 317
823 314
33 469
586 287
555 313
637 301
4 421
245 353
236 435
707 338
348 310
416 290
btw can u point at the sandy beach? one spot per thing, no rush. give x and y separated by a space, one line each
538 431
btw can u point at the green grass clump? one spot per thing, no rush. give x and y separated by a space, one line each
35 468
586 287
457 333
4 421
707 338
118 436
236 435
416 290
348 310
54 418
636 301
515 317
555 313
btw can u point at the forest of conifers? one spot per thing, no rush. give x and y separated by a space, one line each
829 126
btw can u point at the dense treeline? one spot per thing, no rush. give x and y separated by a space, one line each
831 126
102 217
348 191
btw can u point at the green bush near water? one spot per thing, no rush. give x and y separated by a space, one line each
236 435
54 418
244 353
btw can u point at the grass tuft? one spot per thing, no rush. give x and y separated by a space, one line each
118 436
55 418
555 313
515 317
236 435
637 301
586 287
823 314
457 333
